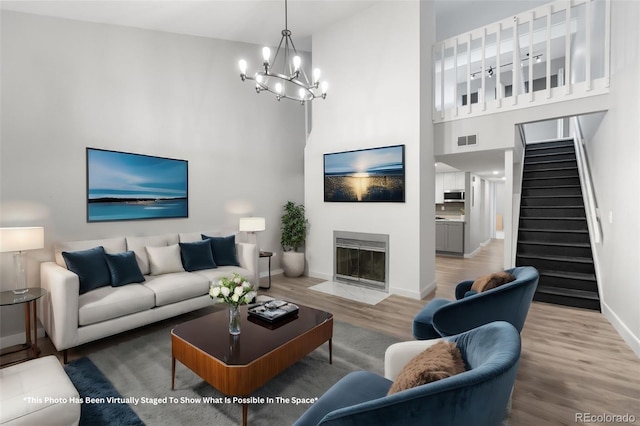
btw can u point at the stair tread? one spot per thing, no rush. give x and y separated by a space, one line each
574 259
554 218
571 231
579 294
549 177
547 243
553 207
546 161
552 187
571 275
552 170
554 142
552 196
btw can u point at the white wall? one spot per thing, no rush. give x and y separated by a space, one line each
67 85
373 63
614 155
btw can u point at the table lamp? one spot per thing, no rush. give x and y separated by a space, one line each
251 225
18 240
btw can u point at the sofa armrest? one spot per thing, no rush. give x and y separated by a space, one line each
248 257
399 354
59 307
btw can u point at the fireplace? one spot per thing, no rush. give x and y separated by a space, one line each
361 259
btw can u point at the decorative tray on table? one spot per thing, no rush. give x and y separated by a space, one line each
273 310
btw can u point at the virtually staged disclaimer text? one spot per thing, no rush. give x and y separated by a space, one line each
133 400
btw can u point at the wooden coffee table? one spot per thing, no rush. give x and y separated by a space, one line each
238 365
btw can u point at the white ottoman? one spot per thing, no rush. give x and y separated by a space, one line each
38 392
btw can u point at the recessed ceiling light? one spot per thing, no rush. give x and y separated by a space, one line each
495 172
504 178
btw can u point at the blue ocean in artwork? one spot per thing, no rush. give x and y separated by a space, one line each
126 211
124 186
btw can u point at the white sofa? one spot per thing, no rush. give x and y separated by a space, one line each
72 319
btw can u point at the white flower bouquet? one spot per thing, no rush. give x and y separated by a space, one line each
234 290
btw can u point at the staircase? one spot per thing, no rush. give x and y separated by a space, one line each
553 235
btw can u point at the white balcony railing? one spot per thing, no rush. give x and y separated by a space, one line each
553 53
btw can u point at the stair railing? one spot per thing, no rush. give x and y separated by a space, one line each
588 194
517 200
589 199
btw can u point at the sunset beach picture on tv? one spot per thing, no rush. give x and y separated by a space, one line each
367 175
126 186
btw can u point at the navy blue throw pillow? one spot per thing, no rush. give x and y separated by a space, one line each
224 250
197 256
90 266
123 268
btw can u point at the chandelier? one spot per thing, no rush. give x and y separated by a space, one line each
283 75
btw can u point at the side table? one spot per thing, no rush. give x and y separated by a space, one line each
29 299
269 255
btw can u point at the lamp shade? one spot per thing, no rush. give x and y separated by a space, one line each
21 238
252 224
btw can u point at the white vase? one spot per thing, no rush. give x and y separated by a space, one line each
293 263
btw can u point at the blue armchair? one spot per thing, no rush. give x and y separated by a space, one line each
509 302
478 397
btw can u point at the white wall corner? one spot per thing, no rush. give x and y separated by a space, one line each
632 340
320 275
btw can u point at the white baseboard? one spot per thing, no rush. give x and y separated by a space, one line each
473 253
19 338
412 294
627 335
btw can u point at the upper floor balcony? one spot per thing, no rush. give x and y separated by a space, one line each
557 52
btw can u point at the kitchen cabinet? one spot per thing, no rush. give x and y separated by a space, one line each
450 237
439 188
459 181
451 181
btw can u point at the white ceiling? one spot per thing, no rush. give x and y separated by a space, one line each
251 21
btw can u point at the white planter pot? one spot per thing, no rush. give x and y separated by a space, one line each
293 263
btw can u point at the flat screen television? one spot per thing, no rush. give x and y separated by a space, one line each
126 186
365 175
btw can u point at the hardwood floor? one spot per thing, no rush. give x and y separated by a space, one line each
573 361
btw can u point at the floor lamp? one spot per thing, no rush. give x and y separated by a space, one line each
18 240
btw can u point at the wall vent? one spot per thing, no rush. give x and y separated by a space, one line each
467 140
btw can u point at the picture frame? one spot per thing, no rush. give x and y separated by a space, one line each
365 175
129 186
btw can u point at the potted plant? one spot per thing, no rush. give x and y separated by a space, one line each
294 232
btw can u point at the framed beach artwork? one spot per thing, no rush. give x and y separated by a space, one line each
126 186
366 175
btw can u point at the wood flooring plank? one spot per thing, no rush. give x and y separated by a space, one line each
573 360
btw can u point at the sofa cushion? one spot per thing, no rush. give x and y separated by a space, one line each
164 260
214 275
190 237
90 266
491 281
197 256
171 288
437 362
138 244
123 268
111 245
37 392
224 250
106 303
